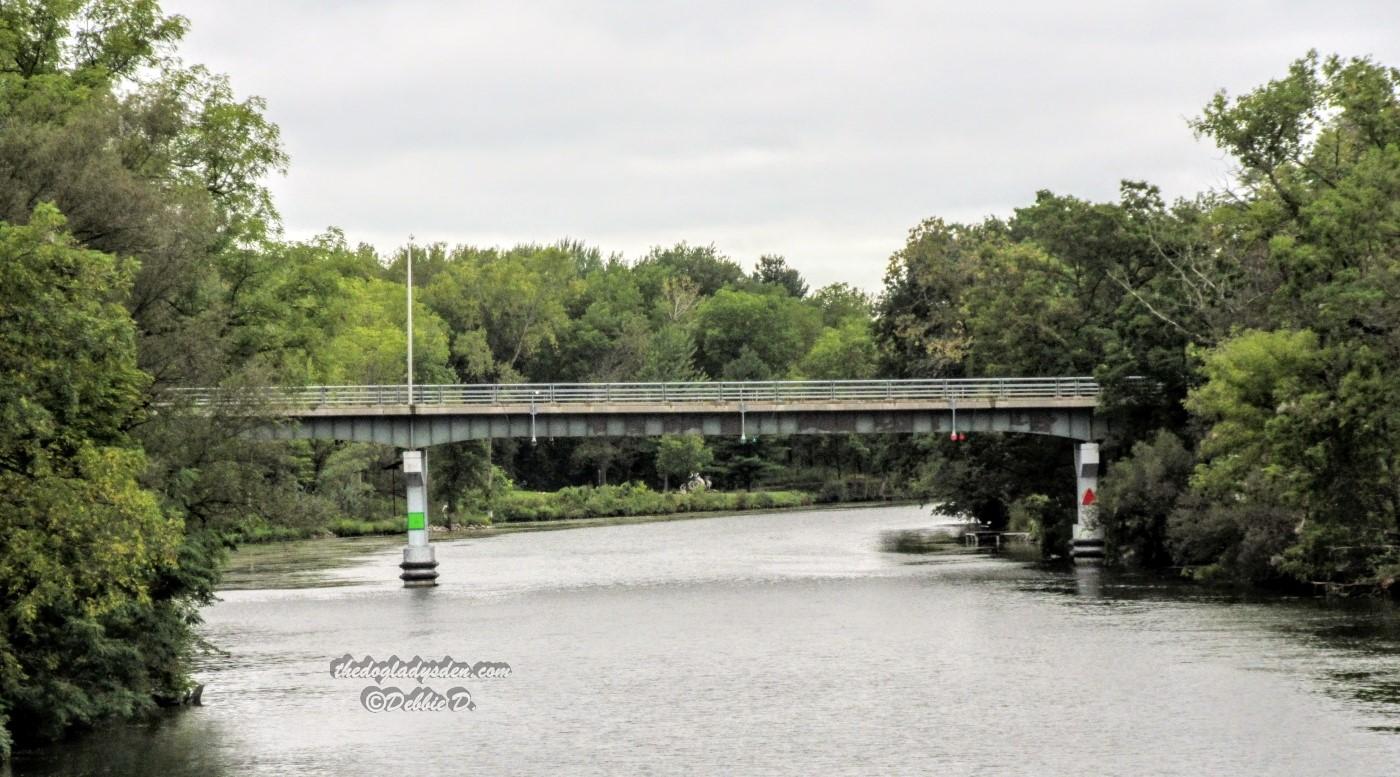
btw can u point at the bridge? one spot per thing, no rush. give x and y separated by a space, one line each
1061 407
420 416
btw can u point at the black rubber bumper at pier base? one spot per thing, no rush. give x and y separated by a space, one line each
418 574
1087 551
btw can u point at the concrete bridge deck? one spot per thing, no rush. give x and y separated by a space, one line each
1062 407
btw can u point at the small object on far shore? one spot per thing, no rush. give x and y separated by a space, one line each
939 537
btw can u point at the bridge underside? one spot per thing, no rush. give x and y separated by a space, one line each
440 426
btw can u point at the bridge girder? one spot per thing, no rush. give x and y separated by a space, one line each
438 428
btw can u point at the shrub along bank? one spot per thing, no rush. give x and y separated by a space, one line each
627 500
634 499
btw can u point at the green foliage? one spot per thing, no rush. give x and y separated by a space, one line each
1039 516
985 475
93 40
670 356
504 307
599 453
703 268
95 599
1138 495
840 302
681 455
1273 307
634 499
347 527
1258 327
844 352
1234 542
1257 401
748 365
921 321
774 271
744 463
752 328
69 349
364 341
487 495
608 336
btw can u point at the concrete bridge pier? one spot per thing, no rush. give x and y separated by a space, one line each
1087 546
419 561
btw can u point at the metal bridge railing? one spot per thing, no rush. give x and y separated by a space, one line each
649 393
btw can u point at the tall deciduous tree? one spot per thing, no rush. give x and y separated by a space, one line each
86 553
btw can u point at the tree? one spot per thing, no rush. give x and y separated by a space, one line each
1319 172
742 463
774 271
681 455
158 163
1138 496
88 559
703 266
922 324
40 37
503 308
599 453
776 328
364 338
845 352
677 300
670 356
606 337
747 366
841 301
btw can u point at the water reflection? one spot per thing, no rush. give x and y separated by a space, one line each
1361 634
1088 581
173 744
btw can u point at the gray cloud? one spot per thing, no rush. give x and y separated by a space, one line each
819 131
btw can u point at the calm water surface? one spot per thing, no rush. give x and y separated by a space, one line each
774 644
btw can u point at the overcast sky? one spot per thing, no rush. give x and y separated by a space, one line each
821 131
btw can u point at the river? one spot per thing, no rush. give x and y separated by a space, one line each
785 643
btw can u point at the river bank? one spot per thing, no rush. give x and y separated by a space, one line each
537 508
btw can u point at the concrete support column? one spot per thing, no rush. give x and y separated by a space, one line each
1087 546
419 562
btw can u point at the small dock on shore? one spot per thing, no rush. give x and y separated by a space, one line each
995 540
